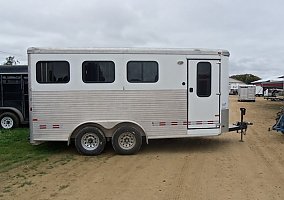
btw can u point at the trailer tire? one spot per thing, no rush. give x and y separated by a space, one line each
126 140
90 141
9 120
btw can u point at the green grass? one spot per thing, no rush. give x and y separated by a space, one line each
16 150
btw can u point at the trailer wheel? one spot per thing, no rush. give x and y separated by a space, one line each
126 140
9 120
90 141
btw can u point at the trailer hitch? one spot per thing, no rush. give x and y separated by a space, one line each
241 125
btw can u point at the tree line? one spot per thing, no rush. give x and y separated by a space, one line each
246 78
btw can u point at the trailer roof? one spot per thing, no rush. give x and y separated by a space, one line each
173 51
13 69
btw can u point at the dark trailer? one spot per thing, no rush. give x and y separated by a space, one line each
14 100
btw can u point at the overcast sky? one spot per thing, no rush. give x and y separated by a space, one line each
252 30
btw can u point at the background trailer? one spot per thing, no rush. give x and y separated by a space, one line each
14 103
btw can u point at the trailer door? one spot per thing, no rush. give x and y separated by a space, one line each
203 94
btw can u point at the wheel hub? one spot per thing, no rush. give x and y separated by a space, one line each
90 141
7 122
127 140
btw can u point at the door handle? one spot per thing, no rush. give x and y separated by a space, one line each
191 89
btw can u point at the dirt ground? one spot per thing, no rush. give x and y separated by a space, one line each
195 168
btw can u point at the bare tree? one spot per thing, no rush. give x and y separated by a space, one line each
10 60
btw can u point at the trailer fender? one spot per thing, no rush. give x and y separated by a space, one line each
14 110
135 125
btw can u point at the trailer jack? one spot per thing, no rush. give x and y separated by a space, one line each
241 125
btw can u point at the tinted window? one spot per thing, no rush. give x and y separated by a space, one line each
52 72
203 79
142 72
98 71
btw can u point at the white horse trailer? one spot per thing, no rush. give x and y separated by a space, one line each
246 92
95 95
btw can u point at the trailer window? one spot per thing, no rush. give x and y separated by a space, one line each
142 72
11 85
98 71
203 79
52 72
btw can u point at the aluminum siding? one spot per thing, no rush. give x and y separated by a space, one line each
68 109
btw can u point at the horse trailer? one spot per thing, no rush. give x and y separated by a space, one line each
93 95
14 105
246 93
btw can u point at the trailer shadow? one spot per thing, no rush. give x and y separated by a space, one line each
186 145
54 148
182 145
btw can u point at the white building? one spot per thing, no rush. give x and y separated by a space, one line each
233 85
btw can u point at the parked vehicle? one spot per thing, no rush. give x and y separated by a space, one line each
246 93
274 94
123 94
14 105
258 91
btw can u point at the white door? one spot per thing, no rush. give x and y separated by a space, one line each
203 94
